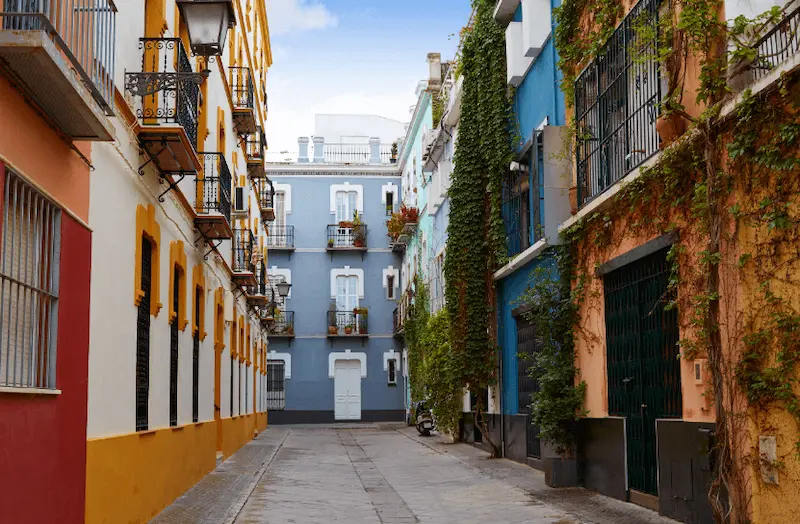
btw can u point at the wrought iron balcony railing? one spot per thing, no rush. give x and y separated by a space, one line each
283 325
400 314
280 237
214 186
617 103
266 193
243 242
345 236
778 44
168 88
84 31
260 288
255 144
348 323
242 87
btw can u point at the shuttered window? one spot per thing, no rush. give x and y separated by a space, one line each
173 350
233 361
28 286
196 358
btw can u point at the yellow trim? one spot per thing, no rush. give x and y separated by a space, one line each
147 227
241 339
199 283
131 478
177 260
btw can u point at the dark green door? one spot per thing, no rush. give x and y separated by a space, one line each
644 382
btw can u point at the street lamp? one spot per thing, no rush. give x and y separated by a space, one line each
283 288
207 22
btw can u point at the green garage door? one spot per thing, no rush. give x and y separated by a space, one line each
644 382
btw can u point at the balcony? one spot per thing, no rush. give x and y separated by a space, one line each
244 115
280 238
283 325
257 294
348 324
168 94
243 267
345 236
266 199
255 145
61 55
616 106
777 45
400 314
213 198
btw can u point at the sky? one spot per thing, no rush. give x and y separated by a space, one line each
351 56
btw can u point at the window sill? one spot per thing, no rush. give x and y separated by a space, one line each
147 432
29 391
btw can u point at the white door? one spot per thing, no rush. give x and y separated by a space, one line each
347 390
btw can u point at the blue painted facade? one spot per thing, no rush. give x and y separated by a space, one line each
537 102
310 390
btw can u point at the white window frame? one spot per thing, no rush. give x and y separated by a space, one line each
390 189
391 293
347 187
347 271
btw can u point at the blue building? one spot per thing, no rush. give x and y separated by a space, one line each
332 354
535 202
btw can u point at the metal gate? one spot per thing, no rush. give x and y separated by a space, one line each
643 368
527 385
276 390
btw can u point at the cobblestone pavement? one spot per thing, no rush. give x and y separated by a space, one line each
383 474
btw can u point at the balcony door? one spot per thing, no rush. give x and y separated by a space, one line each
346 301
346 202
277 229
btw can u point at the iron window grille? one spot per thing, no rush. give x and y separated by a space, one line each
517 209
280 237
617 103
527 385
347 237
246 388
242 87
349 323
392 367
196 358
243 241
214 186
84 31
283 325
276 385
778 44
29 281
173 352
143 341
233 364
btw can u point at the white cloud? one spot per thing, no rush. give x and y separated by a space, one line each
286 16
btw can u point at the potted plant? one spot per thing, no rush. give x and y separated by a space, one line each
410 214
332 325
330 242
573 199
393 160
394 226
333 330
359 231
345 224
671 123
362 330
348 330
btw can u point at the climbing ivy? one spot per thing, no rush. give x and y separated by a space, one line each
476 240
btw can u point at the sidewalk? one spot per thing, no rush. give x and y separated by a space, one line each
583 505
220 496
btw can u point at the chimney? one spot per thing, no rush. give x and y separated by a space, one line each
374 150
434 72
302 148
319 149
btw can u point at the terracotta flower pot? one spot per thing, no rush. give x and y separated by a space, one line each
670 127
358 243
573 199
348 330
332 330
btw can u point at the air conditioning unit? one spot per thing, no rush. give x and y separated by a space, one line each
240 200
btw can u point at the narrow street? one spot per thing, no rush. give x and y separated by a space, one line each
382 474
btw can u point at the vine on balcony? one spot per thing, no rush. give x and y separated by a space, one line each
476 238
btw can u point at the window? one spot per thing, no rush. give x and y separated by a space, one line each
173 349
276 385
437 284
390 287
198 293
28 287
143 341
517 208
389 203
346 293
233 362
246 388
392 365
346 205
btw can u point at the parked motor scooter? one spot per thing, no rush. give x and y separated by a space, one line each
424 417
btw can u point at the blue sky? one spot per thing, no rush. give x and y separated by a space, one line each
351 56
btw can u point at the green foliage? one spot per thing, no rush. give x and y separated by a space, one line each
438 104
559 402
476 237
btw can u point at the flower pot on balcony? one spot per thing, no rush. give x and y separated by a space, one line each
362 331
358 243
670 127
573 199
290 330
330 243
333 330
345 224
348 330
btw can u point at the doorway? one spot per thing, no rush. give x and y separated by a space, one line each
347 390
644 381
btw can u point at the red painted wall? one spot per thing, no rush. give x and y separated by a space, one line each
43 438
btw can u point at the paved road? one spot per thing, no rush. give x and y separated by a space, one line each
382 474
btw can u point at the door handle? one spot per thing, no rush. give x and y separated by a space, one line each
644 405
